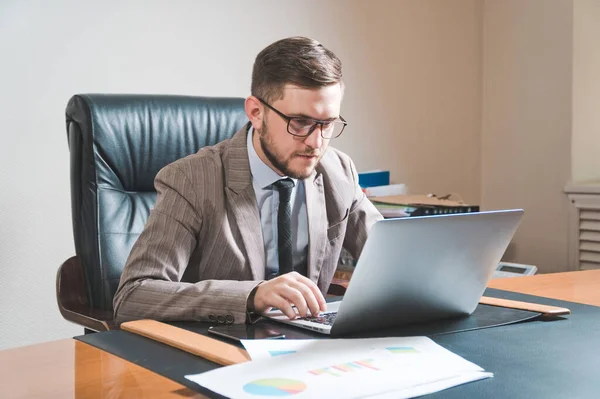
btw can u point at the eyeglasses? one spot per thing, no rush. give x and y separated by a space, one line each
303 127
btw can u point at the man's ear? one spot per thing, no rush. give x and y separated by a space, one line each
254 111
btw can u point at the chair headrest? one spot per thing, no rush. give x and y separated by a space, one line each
131 137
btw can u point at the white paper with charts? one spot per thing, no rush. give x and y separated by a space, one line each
341 368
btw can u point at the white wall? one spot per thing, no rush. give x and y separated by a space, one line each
412 70
586 91
416 76
526 122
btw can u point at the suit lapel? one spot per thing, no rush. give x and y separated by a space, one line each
242 202
317 224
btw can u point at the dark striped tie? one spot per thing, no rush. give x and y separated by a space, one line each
284 225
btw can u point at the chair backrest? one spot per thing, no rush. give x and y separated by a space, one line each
117 144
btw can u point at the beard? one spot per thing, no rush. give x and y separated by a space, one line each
278 161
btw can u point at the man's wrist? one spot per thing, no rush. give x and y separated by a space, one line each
250 302
251 316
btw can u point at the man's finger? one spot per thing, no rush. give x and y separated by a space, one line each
316 291
295 297
309 297
282 304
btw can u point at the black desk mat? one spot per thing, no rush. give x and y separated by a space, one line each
537 358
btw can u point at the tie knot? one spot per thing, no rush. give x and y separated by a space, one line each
284 186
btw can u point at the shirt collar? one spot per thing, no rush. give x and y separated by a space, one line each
261 172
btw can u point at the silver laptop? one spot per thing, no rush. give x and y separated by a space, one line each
418 269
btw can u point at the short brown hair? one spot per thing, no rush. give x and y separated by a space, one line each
296 60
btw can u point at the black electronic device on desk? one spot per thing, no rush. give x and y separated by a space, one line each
238 332
394 206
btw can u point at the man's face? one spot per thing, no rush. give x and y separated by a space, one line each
289 155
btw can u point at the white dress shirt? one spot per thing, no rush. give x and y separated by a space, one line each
267 198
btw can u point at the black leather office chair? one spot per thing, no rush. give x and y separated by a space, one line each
117 144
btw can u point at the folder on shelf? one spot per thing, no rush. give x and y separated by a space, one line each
374 178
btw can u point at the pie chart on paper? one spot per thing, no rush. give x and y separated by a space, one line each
275 387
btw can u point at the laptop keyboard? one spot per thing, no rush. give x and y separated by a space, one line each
323 318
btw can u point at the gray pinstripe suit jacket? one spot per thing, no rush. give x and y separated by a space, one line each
201 252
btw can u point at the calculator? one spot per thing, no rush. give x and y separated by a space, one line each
507 269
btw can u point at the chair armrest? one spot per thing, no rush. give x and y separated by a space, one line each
72 299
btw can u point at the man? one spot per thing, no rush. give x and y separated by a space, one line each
259 220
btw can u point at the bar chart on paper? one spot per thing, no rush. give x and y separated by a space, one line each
338 370
280 353
401 349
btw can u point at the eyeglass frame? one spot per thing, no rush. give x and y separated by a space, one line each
316 122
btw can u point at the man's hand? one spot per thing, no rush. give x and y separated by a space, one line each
290 289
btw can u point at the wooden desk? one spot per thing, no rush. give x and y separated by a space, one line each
580 287
69 368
